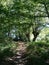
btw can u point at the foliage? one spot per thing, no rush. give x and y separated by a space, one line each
27 18
7 50
23 15
39 53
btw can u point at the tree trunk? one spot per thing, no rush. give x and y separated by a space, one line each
35 35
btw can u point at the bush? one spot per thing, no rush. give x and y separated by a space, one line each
7 50
39 53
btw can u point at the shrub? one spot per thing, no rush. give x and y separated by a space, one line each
39 53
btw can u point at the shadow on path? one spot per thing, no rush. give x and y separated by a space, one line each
18 58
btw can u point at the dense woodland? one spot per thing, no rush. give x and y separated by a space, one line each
24 32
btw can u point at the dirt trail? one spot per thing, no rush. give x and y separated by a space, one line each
21 50
18 58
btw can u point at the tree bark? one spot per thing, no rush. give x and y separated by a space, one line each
35 33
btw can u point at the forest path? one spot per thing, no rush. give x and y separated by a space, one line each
21 50
18 58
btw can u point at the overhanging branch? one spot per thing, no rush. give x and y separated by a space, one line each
32 16
46 9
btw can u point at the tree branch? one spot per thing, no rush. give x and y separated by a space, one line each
46 9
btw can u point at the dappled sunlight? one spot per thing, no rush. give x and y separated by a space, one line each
43 34
24 32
